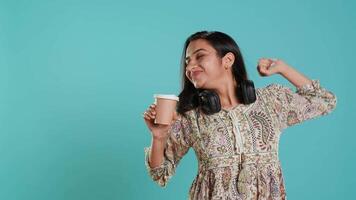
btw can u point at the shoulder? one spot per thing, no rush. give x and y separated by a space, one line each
274 89
275 92
272 86
187 117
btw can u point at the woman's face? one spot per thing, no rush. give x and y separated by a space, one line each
204 67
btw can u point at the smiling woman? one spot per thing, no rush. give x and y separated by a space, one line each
237 145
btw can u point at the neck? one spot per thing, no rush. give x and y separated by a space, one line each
227 94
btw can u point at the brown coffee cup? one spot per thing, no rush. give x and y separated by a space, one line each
165 108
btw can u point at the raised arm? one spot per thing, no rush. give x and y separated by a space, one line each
309 101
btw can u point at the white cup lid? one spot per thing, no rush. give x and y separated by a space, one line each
166 96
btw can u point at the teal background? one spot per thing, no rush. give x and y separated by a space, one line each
75 77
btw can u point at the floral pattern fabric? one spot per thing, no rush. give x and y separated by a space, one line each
237 149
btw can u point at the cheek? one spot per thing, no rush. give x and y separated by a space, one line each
214 71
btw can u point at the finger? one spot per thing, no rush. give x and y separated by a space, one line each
152 116
259 71
261 62
145 114
268 66
151 111
263 70
175 116
149 115
263 67
173 121
267 62
272 61
146 117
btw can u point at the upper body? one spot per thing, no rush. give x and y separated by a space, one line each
260 124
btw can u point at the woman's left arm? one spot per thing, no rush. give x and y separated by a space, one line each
309 101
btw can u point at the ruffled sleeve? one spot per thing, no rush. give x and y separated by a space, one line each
308 102
177 146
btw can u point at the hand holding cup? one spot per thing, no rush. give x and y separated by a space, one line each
161 115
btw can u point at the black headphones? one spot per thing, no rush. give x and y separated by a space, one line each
209 100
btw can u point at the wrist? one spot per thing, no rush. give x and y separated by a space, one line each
282 70
159 139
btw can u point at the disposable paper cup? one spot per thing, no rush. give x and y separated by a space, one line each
165 108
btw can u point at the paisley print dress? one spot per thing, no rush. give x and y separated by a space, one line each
237 149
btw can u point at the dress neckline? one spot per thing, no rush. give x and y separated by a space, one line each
234 107
241 106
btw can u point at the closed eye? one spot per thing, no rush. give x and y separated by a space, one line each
198 57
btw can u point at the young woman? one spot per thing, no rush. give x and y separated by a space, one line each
236 141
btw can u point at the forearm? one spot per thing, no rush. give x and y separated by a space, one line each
293 76
157 152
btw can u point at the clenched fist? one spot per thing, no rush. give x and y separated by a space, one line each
270 66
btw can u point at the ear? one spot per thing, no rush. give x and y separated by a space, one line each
228 60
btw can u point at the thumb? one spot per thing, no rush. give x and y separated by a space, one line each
175 116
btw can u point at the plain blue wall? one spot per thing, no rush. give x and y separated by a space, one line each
76 75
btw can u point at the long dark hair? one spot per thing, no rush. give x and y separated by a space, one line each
222 43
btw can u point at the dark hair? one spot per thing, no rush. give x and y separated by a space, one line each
222 43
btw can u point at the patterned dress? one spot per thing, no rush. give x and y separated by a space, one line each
237 149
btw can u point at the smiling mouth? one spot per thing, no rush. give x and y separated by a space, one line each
195 74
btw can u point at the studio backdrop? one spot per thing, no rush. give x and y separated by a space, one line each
76 76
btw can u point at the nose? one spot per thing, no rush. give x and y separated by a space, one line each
190 67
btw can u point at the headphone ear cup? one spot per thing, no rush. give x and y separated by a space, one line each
209 102
248 91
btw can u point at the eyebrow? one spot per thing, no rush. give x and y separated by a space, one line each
194 53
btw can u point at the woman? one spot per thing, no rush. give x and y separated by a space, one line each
237 145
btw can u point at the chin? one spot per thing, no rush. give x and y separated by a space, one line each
199 85
196 84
